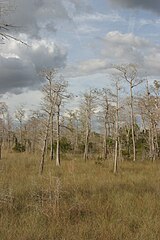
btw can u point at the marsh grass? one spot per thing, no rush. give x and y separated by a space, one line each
79 201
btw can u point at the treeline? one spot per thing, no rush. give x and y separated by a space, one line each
109 123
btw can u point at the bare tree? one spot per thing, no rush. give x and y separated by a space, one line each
115 95
61 94
73 127
104 101
5 27
88 106
20 115
33 128
129 74
55 92
49 102
150 114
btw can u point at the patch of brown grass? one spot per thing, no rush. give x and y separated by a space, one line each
79 201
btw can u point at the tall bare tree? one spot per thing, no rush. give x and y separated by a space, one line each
54 92
49 102
129 74
61 94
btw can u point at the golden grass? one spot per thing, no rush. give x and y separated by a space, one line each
79 201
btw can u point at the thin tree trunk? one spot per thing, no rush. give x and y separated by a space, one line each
128 145
76 139
115 156
86 146
105 142
132 123
116 133
156 141
58 138
52 139
44 147
0 150
119 150
116 146
152 144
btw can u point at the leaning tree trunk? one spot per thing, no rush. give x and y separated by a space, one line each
132 123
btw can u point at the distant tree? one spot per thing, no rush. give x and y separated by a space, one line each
88 106
105 95
33 128
73 119
149 105
20 116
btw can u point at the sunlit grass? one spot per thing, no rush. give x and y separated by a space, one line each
79 200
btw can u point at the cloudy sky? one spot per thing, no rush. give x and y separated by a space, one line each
83 38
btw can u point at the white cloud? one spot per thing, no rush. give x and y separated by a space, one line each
116 37
29 99
119 48
88 67
99 17
86 29
124 48
127 48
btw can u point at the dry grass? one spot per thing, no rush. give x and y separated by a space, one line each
78 201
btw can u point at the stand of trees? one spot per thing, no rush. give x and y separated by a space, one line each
108 124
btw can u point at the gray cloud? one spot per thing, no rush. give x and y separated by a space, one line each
20 64
32 16
43 54
21 71
151 5
15 75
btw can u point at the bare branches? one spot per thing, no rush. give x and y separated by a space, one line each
6 28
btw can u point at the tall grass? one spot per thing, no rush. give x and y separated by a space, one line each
78 201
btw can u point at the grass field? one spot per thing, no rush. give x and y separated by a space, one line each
79 201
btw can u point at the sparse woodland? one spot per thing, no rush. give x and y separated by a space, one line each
107 124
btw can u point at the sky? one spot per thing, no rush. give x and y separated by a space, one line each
83 39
